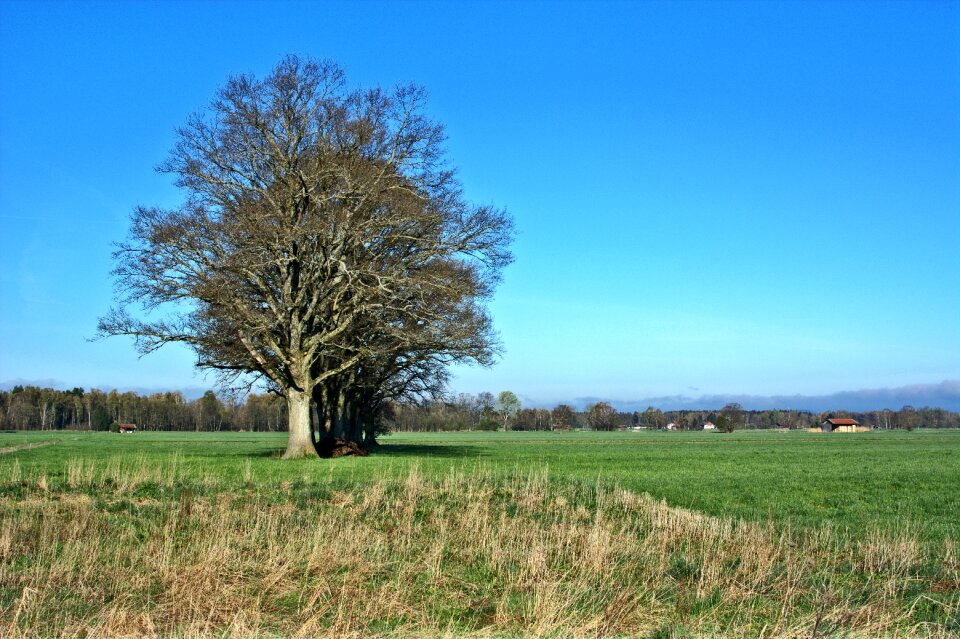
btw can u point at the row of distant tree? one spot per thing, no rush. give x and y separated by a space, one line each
486 412
30 407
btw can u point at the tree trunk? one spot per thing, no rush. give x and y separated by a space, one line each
356 426
338 416
300 437
370 427
323 426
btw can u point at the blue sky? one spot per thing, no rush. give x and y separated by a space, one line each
754 198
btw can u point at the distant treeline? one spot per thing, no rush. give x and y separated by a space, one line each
483 412
29 407
33 408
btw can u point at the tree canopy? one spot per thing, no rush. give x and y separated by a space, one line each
508 404
324 246
602 416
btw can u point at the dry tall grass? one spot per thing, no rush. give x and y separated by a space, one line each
129 550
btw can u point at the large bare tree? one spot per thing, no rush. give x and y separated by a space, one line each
322 231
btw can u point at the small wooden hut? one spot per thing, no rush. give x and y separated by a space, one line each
839 425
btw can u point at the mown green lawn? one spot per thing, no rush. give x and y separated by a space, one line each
896 481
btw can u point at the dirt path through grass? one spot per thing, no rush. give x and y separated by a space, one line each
14 449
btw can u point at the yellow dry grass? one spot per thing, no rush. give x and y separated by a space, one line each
464 555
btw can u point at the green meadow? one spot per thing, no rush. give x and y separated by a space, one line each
489 534
890 479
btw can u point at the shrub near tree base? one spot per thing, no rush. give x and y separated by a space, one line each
333 447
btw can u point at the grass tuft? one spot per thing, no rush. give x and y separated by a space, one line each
124 549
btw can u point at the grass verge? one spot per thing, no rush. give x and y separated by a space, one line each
134 548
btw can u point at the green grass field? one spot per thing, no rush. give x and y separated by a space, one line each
883 479
547 534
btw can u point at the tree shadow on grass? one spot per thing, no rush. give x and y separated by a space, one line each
381 451
425 450
264 452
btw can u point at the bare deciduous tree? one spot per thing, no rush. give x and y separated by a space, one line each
562 417
602 416
322 235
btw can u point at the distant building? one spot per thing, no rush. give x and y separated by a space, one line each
709 426
127 428
671 426
839 425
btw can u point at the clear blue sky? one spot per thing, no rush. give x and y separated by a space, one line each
718 197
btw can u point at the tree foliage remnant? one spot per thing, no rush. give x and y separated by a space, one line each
730 417
324 246
508 404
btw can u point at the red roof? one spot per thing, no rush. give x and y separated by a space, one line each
844 422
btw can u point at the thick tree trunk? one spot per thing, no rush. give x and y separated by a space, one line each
339 416
300 437
323 425
369 428
356 426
